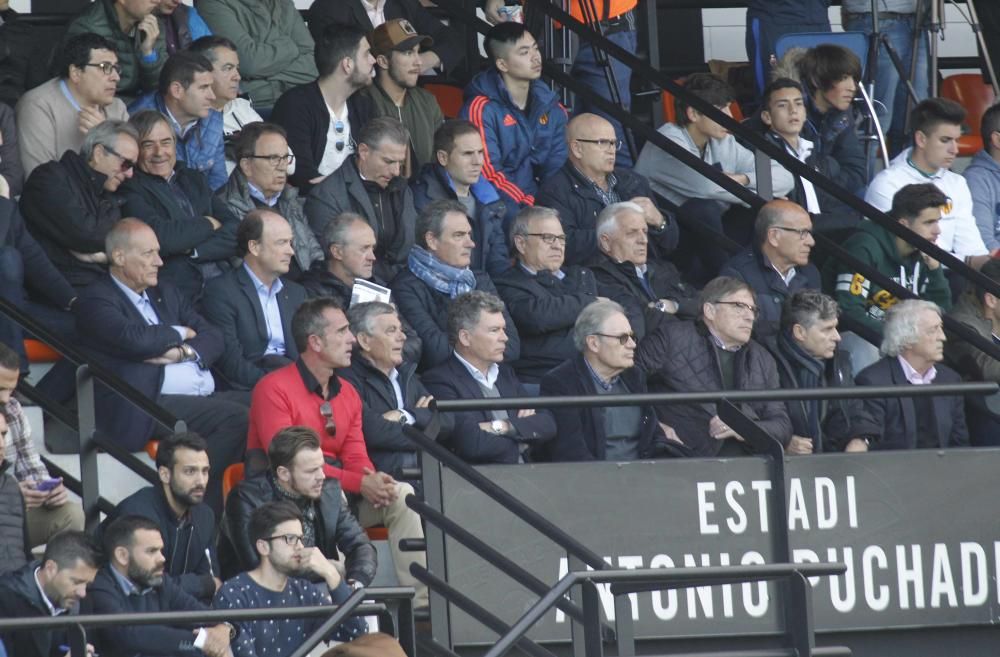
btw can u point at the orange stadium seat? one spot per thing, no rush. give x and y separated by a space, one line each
232 476
39 352
449 98
969 91
152 447
378 533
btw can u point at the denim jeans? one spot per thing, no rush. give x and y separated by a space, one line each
890 93
589 72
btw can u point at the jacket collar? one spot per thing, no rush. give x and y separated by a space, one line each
77 166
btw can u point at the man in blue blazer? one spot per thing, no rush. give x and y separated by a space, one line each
475 370
150 336
253 305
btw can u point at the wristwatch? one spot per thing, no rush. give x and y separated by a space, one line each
662 305
497 427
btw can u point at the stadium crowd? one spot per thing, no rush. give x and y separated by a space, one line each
299 289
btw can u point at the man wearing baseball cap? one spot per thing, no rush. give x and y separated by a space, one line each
396 47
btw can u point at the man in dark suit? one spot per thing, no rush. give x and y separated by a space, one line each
912 349
475 370
150 336
48 588
253 305
605 366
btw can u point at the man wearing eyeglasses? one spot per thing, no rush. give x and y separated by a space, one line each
777 266
605 365
54 117
253 304
651 291
590 181
712 354
543 296
185 98
133 581
260 181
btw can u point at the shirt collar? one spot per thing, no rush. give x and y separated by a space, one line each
717 341
256 193
127 586
259 284
53 610
929 176
491 373
559 273
181 130
915 377
787 278
313 386
130 293
606 386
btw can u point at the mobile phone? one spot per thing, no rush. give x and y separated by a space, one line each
48 484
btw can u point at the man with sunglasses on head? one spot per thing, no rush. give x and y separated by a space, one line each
605 365
651 291
711 354
323 118
55 117
590 181
310 393
777 266
260 181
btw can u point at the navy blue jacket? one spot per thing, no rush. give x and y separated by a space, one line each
893 422
232 304
580 435
753 268
490 253
545 309
426 310
571 194
117 334
39 272
451 380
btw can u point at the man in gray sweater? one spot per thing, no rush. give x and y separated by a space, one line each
983 178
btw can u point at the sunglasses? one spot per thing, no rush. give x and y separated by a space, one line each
622 338
126 164
327 412
339 128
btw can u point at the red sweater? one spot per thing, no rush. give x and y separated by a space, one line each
282 400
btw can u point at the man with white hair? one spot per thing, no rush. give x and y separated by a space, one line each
912 350
650 291
605 365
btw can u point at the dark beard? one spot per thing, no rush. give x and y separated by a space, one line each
184 497
143 579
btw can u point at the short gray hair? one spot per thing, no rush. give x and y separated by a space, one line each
431 218
465 310
806 307
383 129
607 220
591 319
901 329
362 316
106 134
526 215
336 229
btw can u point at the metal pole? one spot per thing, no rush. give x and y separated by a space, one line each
86 412
437 560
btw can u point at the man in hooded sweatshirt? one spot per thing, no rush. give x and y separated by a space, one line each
983 178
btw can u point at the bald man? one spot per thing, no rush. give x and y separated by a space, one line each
590 181
149 334
777 265
253 304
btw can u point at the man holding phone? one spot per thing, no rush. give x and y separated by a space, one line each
49 508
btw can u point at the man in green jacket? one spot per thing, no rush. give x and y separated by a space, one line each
132 27
919 208
275 48
396 47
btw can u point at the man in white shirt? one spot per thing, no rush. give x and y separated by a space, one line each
937 125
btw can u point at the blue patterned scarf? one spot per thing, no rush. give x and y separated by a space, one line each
440 276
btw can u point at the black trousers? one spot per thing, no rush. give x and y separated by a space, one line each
221 419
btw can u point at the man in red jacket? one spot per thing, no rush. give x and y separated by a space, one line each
309 393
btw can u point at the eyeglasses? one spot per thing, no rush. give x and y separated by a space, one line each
339 128
803 233
741 307
605 144
327 411
274 160
126 164
107 67
289 539
548 238
622 338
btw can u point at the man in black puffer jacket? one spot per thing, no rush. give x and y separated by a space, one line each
14 545
296 474
711 354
